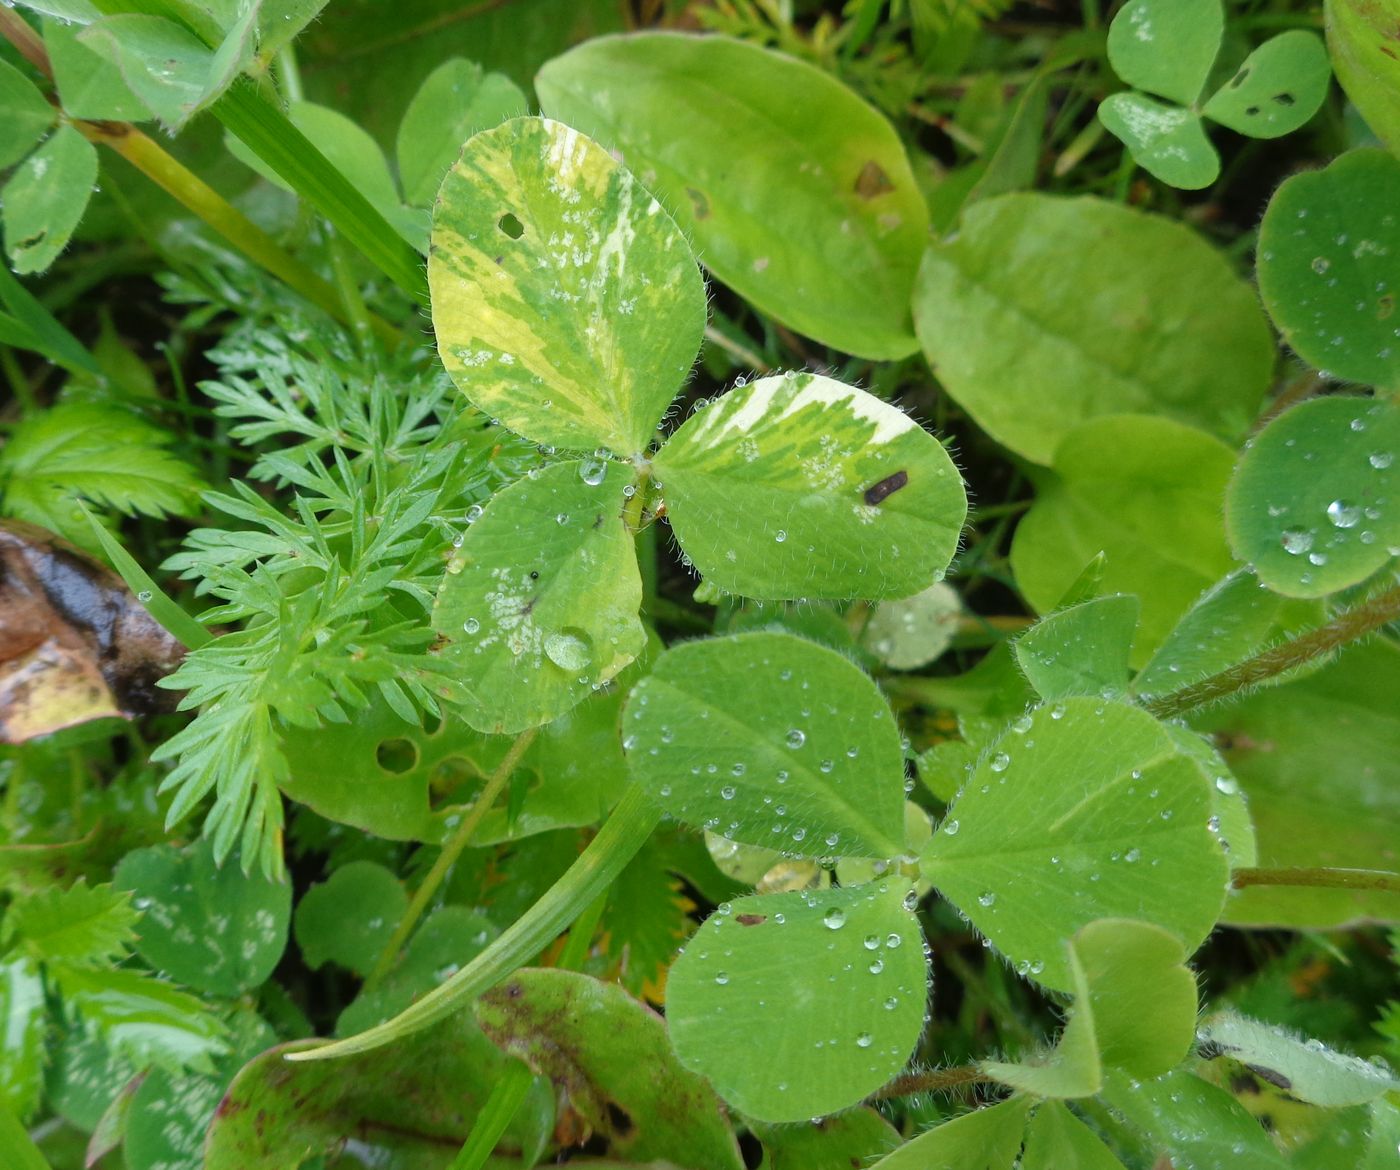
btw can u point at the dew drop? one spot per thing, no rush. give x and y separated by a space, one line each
722 978
780 536
471 625
570 649
727 792
1000 762
1344 514
144 596
951 828
1380 460
988 898
835 918
1296 540
864 1040
796 738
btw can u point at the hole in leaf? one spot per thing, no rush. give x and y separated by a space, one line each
397 755
1238 79
619 1120
511 226
432 724
1251 110
1285 99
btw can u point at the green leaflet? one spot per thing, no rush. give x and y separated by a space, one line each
214 928
456 101
1044 312
1134 1008
800 486
349 918
1166 46
1166 140
1316 758
1278 88
566 301
1329 267
1083 809
829 986
985 1139
82 926
1057 1140
1082 650
1147 493
909 632
89 85
540 602
24 114
22 1056
621 1073
1307 1070
45 197
770 740
1359 36
822 224
856 1137
1312 504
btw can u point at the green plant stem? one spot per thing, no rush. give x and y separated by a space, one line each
576 946
451 850
506 1097
597 867
932 1081
1321 877
15 29
1347 626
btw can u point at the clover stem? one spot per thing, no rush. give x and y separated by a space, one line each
933 1080
624 832
1318 876
451 851
1347 626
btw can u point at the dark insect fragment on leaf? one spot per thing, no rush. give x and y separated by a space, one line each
872 181
751 919
887 486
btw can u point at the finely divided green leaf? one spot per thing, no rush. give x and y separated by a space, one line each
81 926
1313 503
1082 650
771 740
1147 493
821 224
1329 267
45 197
829 986
1084 809
797 485
1166 46
1044 312
540 602
566 301
456 101
1280 86
212 927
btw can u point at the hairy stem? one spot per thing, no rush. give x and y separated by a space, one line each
931 1081
1347 626
1319 876
451 851
597 867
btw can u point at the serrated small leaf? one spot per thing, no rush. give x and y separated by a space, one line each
82 925
45 197
985 1139
622 1074
1329 267
1280 86
1307 1070
456 101
1165 140
540 604
797 485
771 740
1312 504
1086 809
566 301
829 985
212 927
349 918
24 115
1166 46
1082 650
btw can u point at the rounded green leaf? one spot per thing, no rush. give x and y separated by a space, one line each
1306 1069
1166 46
611 1054
822 223
1313 503
1280 86
1329 267
1057 1140
1083 809
540 602
350 917
1146 492
850 1139
909 632
45 198
1361 39
456 101
985 1139
24 114
801 486
1044 312
829 986
770 740
1166 141
211 927
1082 650
566 301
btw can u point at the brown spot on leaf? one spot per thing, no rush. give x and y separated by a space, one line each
751 919
877 492
700 201
872 181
